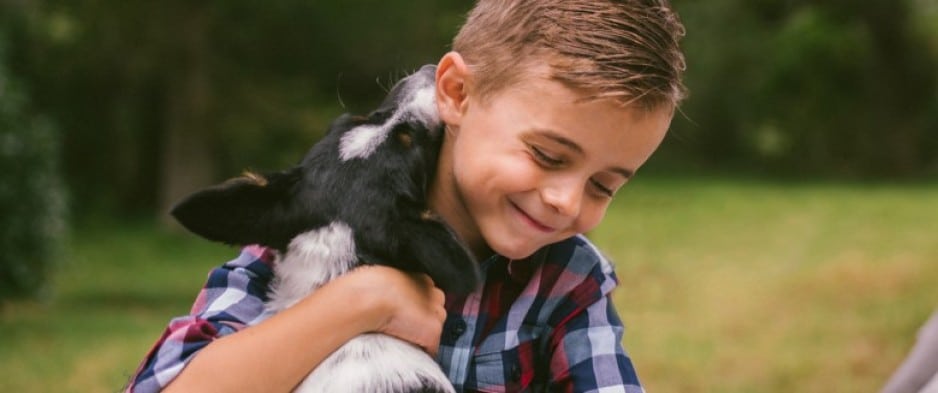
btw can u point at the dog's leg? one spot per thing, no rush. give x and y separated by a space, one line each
375 363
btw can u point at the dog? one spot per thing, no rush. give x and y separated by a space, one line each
359 196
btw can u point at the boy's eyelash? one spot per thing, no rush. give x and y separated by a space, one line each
555 162
541 156
603 189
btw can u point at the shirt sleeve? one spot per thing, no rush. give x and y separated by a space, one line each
233 297
587 353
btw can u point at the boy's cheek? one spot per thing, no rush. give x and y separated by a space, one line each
505 173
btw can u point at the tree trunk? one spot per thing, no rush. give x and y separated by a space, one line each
187 161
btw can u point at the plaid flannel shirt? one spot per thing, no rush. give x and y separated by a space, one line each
544 323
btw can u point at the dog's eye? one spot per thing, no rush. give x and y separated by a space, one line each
406 139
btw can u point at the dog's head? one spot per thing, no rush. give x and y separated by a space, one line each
409 104
370 172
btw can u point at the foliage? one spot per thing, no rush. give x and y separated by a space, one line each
254 83
160 96
32 196
835 87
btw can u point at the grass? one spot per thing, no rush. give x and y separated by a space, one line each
112 299
726 286
729 286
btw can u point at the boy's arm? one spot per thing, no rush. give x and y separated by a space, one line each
233 295
921 365
586 343
588 354
277 353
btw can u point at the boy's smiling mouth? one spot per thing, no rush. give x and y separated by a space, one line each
531 221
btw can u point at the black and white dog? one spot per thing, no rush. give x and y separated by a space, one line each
359 196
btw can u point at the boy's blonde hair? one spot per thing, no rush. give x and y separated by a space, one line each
626 50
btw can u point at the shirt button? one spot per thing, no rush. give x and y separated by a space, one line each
457 329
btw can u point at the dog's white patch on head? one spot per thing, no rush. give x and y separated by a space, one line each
312 259
364 140
422 106
418 103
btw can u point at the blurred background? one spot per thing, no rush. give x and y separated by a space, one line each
782 238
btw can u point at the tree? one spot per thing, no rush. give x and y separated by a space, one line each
832 88
165 97
32 197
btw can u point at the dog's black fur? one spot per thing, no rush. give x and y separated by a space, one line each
381 197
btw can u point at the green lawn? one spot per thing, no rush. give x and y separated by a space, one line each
752 287
727 286
112 300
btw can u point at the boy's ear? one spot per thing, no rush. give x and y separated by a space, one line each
240 211
452 82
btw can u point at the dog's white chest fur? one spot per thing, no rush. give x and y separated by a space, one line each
367 363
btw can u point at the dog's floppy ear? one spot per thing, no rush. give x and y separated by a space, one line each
440 254
246 210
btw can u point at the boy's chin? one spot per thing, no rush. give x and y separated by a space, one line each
515 250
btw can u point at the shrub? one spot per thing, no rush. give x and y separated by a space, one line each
32 197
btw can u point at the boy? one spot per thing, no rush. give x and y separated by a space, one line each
550 106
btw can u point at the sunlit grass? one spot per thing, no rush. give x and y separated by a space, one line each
726 286
735 287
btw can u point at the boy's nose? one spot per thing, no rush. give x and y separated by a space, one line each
565 198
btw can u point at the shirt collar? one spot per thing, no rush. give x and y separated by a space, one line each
521 270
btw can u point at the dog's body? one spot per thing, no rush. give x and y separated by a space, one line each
359 196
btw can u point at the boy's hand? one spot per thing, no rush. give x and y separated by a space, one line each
406 305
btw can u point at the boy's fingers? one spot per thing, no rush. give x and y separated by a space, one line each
439 301
425 279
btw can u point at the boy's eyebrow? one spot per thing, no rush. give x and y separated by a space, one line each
625 172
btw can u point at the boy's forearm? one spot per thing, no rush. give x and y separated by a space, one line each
275 355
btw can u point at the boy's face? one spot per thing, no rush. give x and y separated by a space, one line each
533 165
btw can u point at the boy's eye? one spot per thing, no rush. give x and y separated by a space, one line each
605 191
545 158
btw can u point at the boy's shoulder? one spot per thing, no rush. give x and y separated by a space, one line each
579 255
574 265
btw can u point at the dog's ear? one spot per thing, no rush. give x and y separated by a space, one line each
251 209
433 245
